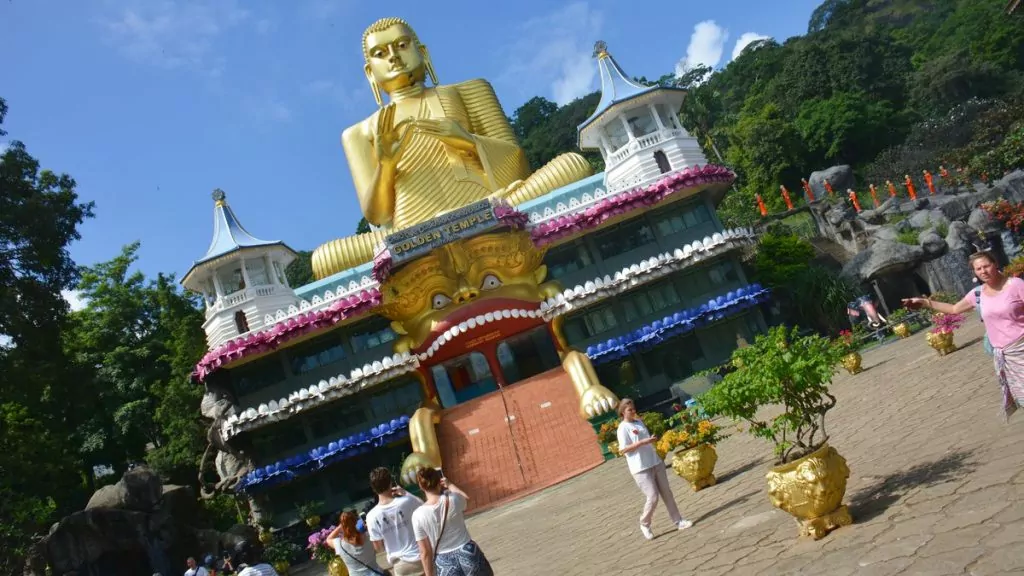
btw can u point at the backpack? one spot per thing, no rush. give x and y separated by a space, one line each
977 306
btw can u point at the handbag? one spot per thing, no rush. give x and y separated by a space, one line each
977 306
349 554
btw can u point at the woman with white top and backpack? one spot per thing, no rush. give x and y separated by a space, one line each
446 547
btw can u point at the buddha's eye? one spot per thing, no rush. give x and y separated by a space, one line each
377 53
490 282
440 301
402 45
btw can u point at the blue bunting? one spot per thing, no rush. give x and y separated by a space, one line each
284 471
681 322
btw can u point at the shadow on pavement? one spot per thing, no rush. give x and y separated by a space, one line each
737 471
725 506
871 501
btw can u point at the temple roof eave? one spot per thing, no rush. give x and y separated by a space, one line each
208 263
584 139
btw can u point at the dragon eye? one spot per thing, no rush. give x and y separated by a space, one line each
440 301
490 282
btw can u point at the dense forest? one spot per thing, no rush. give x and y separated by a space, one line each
890 87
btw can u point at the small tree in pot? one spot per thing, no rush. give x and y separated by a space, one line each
793 372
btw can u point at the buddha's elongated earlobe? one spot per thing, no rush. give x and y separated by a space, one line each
373 86
428 65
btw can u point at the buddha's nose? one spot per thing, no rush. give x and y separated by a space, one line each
465 294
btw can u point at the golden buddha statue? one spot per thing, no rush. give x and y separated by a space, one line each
431 149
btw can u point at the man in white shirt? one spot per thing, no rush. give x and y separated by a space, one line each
194 570
389 524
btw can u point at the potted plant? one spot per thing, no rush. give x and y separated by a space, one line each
308 512
792 374
316 544
693 439
607 435
898 321
851 357
940 336
279 554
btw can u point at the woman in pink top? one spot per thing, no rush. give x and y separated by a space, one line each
1002 311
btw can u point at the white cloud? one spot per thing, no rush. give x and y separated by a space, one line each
556 49
74 299
746 39
270 109
264 25
339 93
707 43
173 34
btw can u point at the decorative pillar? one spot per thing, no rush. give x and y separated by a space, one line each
270 270
606 144
245 273
217 287
629 129
657 118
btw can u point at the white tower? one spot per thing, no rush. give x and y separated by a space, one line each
241 277
637 129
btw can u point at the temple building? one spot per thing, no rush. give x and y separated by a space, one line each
490 340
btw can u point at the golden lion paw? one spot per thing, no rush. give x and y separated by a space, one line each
413 463
598 400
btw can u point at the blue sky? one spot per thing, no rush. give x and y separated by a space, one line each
150 104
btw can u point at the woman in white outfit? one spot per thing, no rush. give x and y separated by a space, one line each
440 528
636 443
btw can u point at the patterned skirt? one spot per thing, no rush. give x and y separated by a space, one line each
1009 363
466 561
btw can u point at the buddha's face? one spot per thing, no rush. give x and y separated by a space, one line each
394 58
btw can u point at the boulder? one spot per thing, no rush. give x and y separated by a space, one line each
139 489
1012 185
960 236
839 177
839 214
979 220
920 219
873 216
885 233
881 258
932 244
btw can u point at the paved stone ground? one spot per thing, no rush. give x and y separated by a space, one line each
936 487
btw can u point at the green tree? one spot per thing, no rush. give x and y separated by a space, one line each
300 271
40 405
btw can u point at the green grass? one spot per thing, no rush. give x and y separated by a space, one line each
908 237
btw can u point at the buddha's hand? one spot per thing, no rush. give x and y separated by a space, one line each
392 138
448 131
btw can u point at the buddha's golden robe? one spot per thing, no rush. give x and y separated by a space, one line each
433 177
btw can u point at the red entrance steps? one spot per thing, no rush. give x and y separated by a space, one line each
512 443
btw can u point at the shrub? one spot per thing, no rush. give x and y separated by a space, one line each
785 370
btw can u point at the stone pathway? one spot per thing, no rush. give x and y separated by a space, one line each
936 487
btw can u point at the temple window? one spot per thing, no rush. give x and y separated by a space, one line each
568 258
316 354
241 322
257 270
673 360
667 117
589 324
231 279
370 335
256 375
655 299
642 123
674 220
616 133
662 161
623 238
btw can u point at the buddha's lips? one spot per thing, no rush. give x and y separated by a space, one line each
475 315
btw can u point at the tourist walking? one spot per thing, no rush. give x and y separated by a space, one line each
389 524
357 553
636 443
1000 300
440 525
